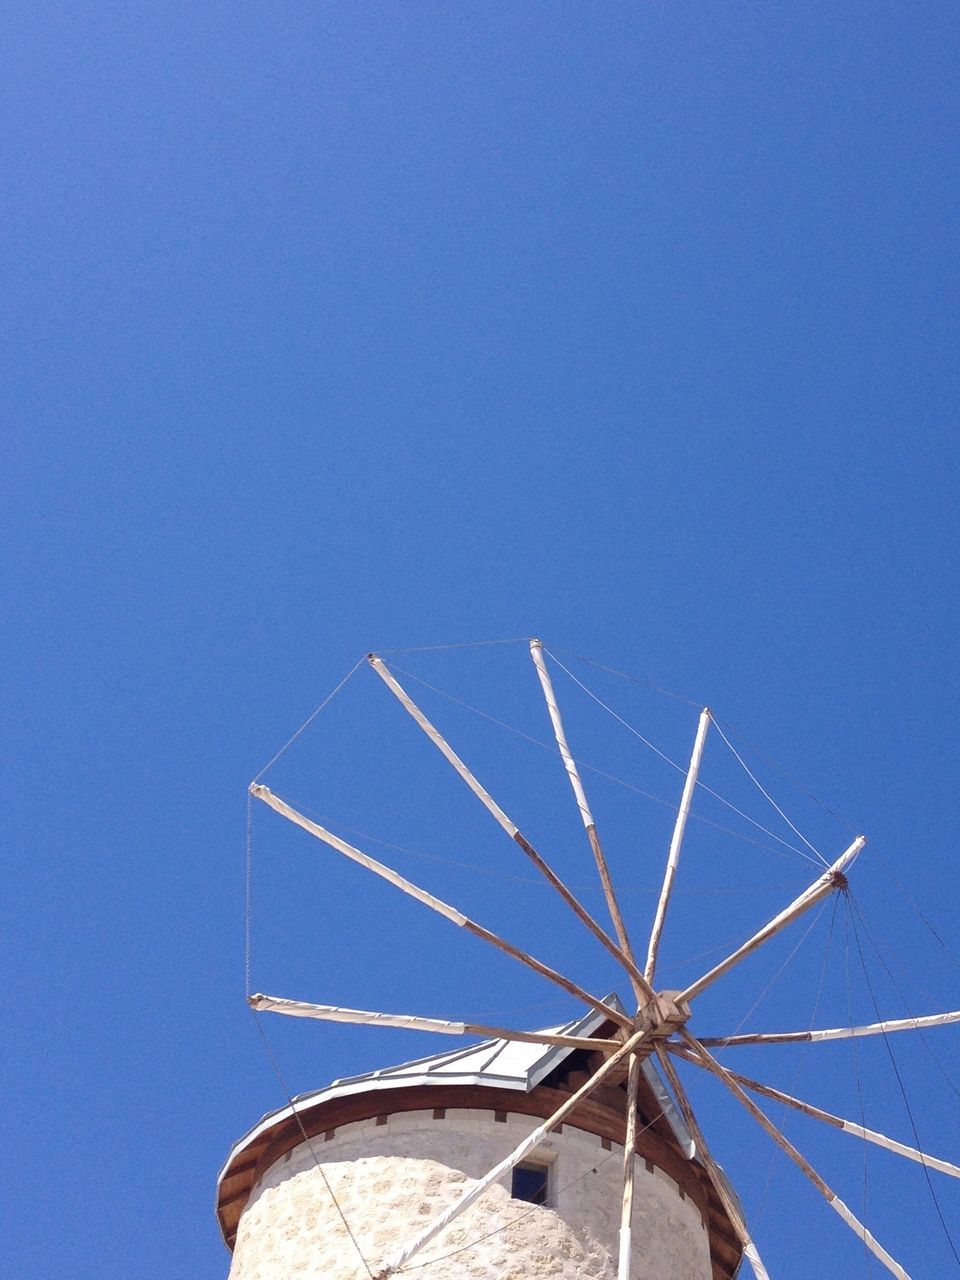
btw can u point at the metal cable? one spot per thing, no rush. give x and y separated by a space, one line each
785 1112
463 644
334 824
767 796
310 718
680 769
621 782
903 1093
900 992
855 1053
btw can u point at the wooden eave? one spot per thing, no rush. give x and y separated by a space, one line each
602 1115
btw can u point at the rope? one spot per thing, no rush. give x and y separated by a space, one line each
646 741
556 1008
679 697
310 718
767 796
667 693
723 949
296 1114
903 1092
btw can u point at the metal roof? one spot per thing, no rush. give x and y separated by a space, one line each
503 1064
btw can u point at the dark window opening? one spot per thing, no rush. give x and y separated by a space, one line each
530 1183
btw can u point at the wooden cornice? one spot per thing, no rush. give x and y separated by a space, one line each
600 1115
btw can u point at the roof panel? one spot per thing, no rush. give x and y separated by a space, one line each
504 1064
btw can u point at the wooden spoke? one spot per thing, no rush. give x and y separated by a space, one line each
834 1033
435 904
642 990
612 1060
717 1176
412 1022
846 1126
508 825
519 1153
831 879
673 857
629 1165
706 1060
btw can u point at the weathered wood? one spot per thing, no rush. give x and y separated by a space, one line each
435 904
506 823
837 1122
629 1158
842 1210
834 1033
641 988
716 1174
831 879
673 858
413 1022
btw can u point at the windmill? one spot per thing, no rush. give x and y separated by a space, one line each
622 1046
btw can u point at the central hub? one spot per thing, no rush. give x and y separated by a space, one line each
662 1015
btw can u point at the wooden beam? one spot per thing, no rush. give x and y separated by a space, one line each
710 1063
435 904
507 824
673 858
642 990
833 878
717 1177
837 1122
833 1033
629 1164
412 1022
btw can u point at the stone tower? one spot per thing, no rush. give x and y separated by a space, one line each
335 1190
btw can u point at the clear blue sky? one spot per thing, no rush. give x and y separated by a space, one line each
337 327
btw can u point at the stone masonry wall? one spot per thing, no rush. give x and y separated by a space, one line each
391 1179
